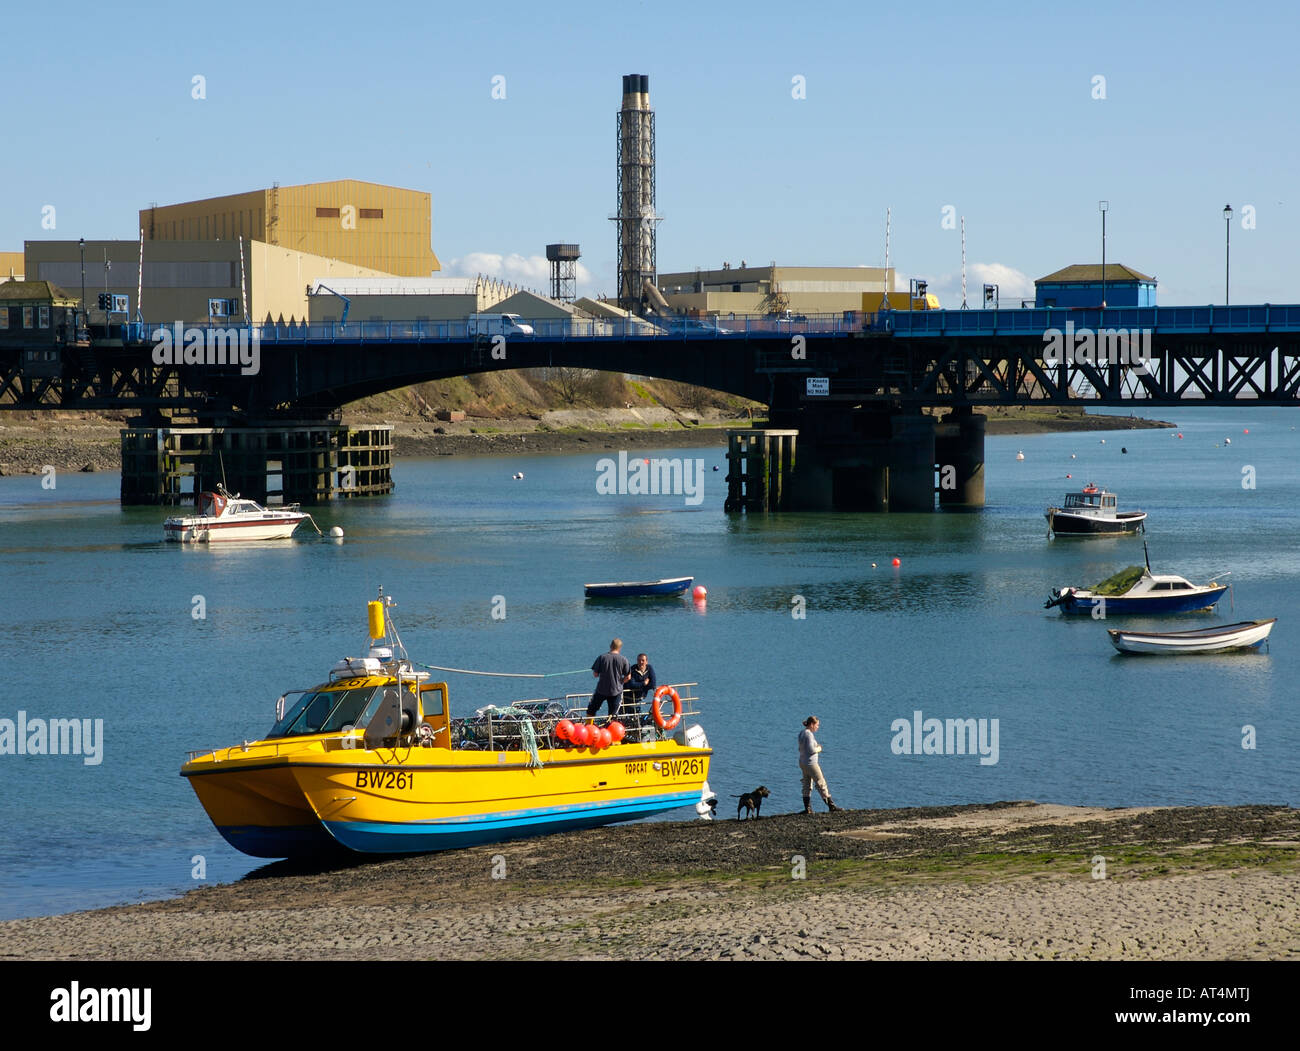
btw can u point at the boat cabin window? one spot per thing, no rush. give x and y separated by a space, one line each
325 711
1083 500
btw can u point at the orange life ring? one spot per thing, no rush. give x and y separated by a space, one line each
659 716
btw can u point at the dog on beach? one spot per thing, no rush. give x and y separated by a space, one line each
752 802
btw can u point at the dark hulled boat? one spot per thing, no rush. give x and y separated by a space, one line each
1093 512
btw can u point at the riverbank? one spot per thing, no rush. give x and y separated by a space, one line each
999 881
84 442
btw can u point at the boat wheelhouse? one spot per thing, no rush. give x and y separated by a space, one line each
1092 512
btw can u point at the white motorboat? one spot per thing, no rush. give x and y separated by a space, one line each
223 516
1244 635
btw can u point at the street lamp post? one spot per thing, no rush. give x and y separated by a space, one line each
1102 206
1227 248
82 243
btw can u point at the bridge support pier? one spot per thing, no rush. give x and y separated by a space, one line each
307 463
860 460
959 457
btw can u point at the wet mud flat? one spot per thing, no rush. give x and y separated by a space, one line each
999 881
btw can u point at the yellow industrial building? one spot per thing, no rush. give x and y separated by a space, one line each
11 266
384 229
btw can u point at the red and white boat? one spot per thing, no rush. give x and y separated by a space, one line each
222 517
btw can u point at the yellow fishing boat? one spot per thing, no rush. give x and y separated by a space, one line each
371 760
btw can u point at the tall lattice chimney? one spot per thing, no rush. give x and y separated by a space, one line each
636 216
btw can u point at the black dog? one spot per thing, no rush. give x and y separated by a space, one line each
752 801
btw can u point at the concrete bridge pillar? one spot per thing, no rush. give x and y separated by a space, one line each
910 462
863 460
959 456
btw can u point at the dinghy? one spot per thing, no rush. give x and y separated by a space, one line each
1244 635
639 588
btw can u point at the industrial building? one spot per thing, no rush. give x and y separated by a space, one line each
410 298
381 228
12 267
191 281
1081 285
775 289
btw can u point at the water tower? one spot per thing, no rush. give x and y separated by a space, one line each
564 271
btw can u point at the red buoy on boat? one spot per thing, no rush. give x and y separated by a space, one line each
606 738
616 731
563 729
578 734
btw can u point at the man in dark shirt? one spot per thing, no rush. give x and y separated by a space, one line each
643 680
611 671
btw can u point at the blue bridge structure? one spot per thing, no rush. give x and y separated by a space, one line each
853 386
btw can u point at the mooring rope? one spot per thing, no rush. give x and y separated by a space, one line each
504 674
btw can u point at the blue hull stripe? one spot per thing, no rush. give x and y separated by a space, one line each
381 837
1159 604
283 841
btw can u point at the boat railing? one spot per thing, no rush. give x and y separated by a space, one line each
492 731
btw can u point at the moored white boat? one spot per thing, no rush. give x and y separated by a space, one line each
223 517
1244 635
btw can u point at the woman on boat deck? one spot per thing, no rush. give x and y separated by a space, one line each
809 749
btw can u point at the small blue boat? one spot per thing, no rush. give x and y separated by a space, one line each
639 588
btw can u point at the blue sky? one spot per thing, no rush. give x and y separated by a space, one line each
985 107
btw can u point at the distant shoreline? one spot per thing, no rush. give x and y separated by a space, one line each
93 444
986 881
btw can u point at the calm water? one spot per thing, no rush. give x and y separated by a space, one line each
96 622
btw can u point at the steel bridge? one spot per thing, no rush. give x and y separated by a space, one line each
1236 355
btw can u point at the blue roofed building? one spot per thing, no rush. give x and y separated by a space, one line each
1080 285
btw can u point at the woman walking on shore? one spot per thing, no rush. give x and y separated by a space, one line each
809 749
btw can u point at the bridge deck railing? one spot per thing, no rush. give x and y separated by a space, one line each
1264 317
562 329
900 323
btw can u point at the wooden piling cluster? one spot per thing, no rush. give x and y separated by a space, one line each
307 463
759 464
